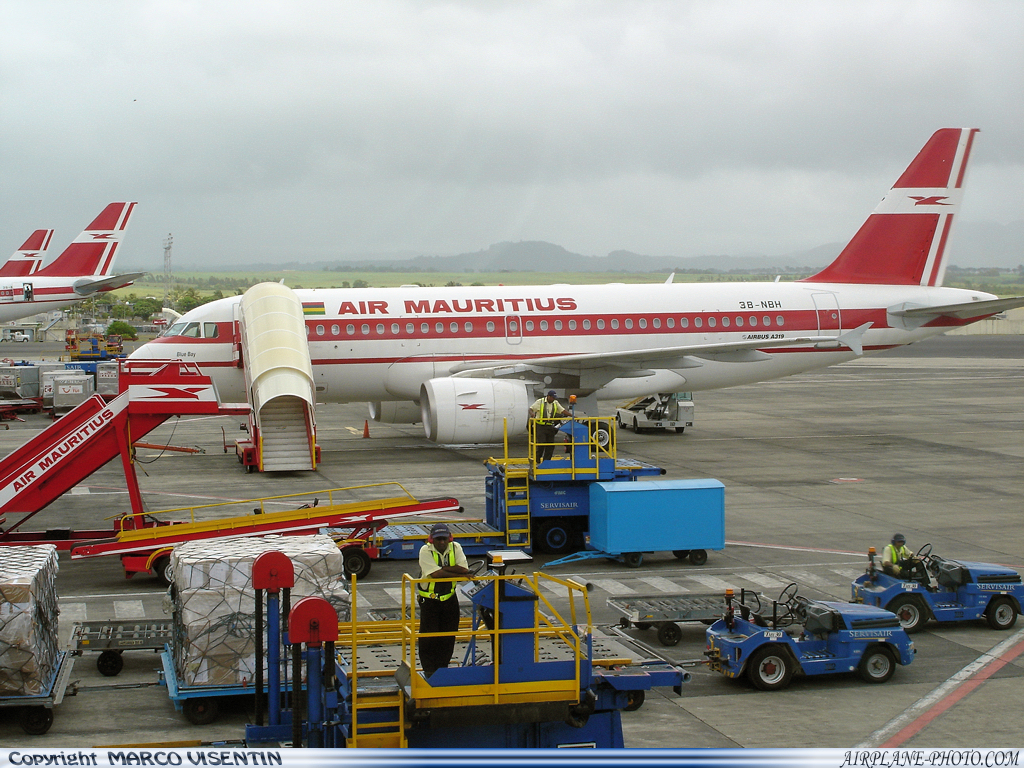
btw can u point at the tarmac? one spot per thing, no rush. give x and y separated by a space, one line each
927 441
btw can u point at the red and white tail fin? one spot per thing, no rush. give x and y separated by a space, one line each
904 240
93 252
27 259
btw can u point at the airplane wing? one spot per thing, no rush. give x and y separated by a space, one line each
964 311
89 287
633 362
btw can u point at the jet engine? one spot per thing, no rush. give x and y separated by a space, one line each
457 410
396 412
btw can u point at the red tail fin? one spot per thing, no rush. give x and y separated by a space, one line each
27 259
93 252
904 241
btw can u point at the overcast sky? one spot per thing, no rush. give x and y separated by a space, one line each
268 131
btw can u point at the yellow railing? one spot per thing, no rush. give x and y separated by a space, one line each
292 501
554 626
596 428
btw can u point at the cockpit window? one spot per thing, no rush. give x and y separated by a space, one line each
175 329
191 330
210 330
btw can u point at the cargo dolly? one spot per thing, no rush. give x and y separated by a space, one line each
36 710
666 611
111 637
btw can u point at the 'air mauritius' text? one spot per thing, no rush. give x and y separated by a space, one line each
450 306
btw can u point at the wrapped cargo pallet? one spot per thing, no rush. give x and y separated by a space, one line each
29 650
214 601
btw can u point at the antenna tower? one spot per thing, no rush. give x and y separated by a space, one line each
168 279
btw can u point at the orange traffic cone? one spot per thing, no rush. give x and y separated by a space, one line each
366 428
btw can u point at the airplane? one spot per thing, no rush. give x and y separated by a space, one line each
462 360
82 270
27 259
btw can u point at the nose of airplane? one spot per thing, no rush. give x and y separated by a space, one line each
146 351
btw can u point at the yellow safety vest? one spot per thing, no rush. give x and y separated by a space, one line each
434 590
553 407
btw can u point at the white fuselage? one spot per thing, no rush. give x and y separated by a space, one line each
384 343
29 295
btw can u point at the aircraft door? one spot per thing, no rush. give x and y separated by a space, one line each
513 329
830 319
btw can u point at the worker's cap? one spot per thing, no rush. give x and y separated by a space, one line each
899 538
440 531
551 393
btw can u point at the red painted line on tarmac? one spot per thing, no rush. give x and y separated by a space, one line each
959 693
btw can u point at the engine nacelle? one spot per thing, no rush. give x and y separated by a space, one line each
457 410
396 412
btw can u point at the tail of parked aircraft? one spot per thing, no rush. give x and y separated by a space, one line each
904 240
27 259
93 252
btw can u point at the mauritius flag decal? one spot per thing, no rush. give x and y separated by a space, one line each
313 308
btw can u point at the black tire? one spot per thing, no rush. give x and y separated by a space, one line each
634 700
633 559
109 663
619 421
770 668
910 611
669 633
680 430
1001 613
643 625
357 563
601 435
636 426
162 569
876 665
681 554
201 711
698 556
35 721
555 536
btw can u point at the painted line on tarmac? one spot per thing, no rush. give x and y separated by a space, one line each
793 549
901 729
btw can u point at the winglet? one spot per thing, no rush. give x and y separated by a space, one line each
855 339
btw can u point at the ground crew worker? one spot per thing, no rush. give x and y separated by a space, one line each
440 558
895 552
546 412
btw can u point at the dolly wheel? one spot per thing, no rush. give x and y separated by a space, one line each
35 721
669 633
357 563
680 554
109 663
162 570
1001 613
877 665
200 711
633 559
634 700
698 556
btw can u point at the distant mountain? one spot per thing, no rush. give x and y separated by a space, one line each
974 245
